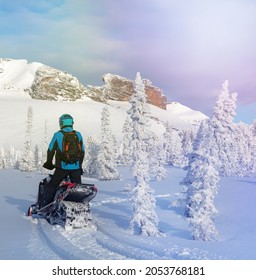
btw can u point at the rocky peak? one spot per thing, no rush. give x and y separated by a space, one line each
52 84
48 83
120 88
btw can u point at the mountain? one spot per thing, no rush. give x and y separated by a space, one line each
18 80
47 83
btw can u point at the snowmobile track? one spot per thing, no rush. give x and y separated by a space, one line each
117 245
60 245
141 251
64 244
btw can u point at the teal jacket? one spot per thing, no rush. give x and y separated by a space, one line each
55 149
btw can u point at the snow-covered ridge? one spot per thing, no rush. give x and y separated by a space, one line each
17 74
185 113
16 77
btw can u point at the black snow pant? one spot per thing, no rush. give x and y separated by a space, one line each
57 177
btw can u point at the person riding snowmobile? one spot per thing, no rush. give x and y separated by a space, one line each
66 163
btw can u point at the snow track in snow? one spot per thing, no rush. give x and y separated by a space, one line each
54 242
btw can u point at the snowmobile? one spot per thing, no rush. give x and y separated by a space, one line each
70 207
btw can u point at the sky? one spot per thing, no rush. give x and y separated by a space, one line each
188 48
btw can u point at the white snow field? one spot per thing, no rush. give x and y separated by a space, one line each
24 238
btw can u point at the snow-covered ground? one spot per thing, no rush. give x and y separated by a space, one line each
25 238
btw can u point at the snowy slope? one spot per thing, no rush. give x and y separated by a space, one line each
17 75
86 113
23 238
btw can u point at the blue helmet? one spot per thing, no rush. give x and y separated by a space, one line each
66 120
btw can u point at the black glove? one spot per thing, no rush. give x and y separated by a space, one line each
81 171
48 165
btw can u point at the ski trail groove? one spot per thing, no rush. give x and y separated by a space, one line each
140 250
60 245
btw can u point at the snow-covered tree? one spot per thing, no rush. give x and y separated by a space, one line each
202 181
106 159
37 158
167 141
246 146
126 143
187 139
157 158
214 152
176 156
143 200
2 158
27 159
45 141
90 163
222 121
10 158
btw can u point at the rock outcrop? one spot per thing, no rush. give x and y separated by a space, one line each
120 88
52 84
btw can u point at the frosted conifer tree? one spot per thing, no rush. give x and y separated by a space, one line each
37 158
45 142
143 200
222 121
157 158
90 163
2 158
43 153
202 181
187 139
176 156
27 159
106 158
126 143
10 157
246 147
167 141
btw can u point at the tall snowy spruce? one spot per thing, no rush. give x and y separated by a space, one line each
202 181
157 158
27 158
90 163
143 200
126 158
106 157
215 153
222 121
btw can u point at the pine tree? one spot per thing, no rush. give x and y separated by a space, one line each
246 148
106 158
222 121
45 141
126 143
2 158
37 158
157 158
10 158
90 163
167 142
187 139
143 200
214 151
202 181
176 156
27 160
